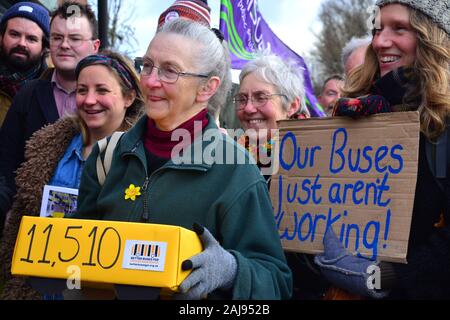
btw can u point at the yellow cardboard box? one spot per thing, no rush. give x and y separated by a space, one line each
104 252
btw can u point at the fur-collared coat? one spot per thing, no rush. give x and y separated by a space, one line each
42 154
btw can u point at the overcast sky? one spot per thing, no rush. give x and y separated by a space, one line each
293 21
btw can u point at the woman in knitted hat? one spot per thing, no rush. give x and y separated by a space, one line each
108 99
200 12
168 158
407 67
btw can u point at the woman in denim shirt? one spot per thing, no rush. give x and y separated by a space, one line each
108 99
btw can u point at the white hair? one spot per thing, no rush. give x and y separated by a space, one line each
354 44
212 57
286 76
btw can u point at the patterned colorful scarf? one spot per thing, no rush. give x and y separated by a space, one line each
257 150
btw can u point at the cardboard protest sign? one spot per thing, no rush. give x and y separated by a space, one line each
356 175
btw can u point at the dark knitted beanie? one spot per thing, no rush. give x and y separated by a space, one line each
31 11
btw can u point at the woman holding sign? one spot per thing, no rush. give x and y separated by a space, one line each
407 68
188 183
108 99
270 90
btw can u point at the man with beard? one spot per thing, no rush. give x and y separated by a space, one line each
73 36
24 32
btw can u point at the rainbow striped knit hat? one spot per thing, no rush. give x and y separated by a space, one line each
196 10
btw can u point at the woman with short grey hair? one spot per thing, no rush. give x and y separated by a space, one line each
286 77
270 90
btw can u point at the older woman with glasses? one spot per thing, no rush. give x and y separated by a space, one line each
226 204
270 90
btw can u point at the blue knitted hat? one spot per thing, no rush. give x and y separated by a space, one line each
31 11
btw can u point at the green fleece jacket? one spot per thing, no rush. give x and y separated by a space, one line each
230 200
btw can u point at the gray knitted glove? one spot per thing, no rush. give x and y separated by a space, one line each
214 268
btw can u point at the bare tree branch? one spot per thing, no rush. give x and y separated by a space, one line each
341 20
121 33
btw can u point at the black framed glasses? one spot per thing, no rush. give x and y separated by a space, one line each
258 99
167 73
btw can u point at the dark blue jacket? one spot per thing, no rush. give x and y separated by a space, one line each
427 274
33 107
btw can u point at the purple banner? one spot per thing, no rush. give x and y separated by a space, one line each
246 31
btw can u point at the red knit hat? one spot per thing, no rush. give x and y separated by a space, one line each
196 10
